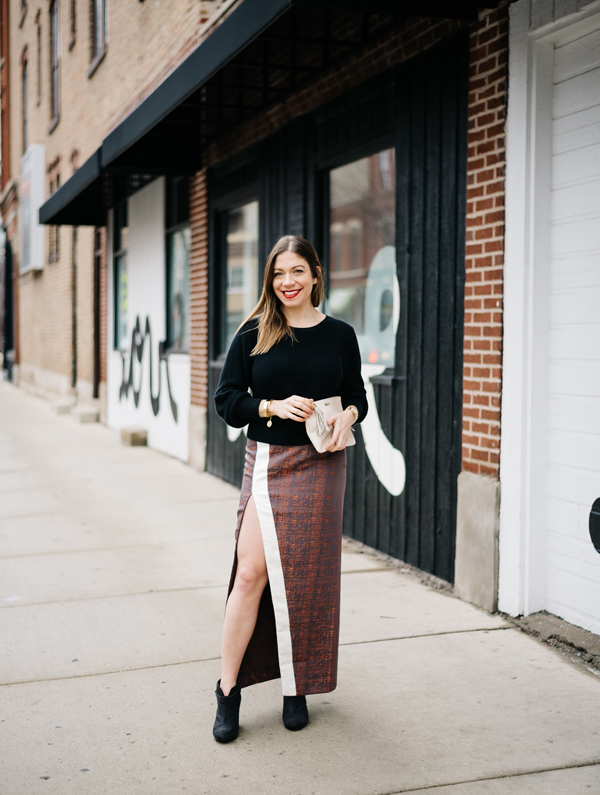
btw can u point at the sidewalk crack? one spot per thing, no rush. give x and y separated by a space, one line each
500 777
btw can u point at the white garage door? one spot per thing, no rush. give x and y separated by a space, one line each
573 482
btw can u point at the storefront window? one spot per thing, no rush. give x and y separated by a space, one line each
178 263
179 289
363 287
241 255
120 242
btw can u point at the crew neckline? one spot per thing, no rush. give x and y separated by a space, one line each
308 328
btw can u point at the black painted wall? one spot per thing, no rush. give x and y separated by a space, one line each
421 109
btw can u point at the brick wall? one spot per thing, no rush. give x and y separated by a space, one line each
485 244
199 289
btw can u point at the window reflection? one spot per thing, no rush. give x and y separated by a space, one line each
179 289
362 273
241 252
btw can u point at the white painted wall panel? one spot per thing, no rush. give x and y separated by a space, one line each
580 125
575 306
577 130
575 414
574 237
562 585
575 550
569 483
583 338
147 301
573 437
577 94
575 378
577 56
571 168
577 450
571 202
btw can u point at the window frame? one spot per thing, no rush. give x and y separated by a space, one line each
174 224
38 47
117 256
54 56
97 9
53 230
25 104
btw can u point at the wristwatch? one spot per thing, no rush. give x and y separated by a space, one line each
354 410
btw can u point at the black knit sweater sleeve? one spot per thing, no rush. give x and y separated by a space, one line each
232 400
352 390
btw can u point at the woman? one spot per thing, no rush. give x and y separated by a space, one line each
282 614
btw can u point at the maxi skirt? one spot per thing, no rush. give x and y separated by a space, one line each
299 496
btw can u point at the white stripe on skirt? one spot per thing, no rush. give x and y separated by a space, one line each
260 491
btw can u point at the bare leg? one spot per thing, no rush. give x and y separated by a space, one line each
244 600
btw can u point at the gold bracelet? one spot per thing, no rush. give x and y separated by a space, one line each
354 410
267 413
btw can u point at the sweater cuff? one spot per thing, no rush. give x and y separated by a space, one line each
248 409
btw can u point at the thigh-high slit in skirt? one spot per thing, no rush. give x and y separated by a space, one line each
299 497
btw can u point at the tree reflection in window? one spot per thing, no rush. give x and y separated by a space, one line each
362 270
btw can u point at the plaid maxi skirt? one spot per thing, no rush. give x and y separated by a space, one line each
299 497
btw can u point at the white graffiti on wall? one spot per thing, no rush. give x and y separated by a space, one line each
386 460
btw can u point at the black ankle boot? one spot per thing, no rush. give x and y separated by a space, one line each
227 722
295 712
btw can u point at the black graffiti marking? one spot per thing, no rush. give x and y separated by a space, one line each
136 350
595 524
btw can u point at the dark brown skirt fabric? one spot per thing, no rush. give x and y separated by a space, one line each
299 496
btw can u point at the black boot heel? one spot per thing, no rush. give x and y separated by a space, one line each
227 722
295 712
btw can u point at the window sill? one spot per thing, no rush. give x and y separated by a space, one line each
52 259
53 124
96 62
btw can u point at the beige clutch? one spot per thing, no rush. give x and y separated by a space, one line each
316 425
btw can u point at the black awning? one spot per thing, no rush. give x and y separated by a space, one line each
79 201
260 54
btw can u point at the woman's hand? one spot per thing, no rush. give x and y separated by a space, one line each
342 422
294 408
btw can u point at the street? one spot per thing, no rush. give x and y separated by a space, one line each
113 573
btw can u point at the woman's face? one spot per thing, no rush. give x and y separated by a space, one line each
292 280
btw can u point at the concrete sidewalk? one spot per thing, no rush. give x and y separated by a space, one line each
113 570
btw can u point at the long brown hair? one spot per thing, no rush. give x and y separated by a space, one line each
272 323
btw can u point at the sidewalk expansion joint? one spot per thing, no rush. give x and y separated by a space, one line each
80 551
112 596
376 570
212 659
36 515
133 593
109 673
517 774
425 635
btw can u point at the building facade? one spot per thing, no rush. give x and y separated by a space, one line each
378 133
69 76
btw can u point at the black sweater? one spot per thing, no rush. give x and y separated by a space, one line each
323 362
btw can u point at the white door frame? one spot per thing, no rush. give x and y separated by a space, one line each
523 458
